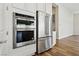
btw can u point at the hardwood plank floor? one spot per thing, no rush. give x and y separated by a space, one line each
65 47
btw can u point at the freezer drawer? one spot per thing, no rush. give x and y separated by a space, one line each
44 44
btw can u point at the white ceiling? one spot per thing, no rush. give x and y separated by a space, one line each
74 7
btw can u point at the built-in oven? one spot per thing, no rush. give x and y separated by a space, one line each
25 37
24 30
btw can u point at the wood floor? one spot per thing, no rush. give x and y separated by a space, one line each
65 47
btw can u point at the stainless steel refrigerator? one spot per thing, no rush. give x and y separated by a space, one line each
44 39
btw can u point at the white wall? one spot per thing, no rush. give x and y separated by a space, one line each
65 22
76 24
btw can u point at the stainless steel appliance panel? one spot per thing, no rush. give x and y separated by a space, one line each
44 32
44 44
24 30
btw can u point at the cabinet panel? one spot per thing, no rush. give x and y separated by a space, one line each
1 17
41 6
18 5
1 49
30 7
49 8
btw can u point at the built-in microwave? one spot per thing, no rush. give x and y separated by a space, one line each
24 30
25 37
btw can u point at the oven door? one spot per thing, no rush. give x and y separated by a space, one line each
25 37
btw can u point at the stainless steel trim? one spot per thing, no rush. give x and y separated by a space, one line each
44 41
24 29
14 30
25 43
29 19
45 37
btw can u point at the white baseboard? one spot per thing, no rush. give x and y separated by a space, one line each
65 36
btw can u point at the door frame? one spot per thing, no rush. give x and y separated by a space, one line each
57 21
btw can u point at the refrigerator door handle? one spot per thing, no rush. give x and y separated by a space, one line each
43 38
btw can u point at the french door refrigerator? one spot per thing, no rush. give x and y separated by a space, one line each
44 39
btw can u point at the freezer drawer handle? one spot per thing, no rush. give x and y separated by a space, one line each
45 37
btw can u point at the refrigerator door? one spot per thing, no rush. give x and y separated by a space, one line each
48 23
48 28
44 24
44 32
41 24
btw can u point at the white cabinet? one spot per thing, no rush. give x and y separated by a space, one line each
18 5
7 49
30 7
0 49
41 6
1 17
2 21
49 8
46 7
23 51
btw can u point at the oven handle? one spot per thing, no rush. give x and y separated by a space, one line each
24 29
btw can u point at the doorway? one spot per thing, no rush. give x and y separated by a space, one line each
55 23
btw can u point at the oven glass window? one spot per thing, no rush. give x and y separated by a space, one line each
23 36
